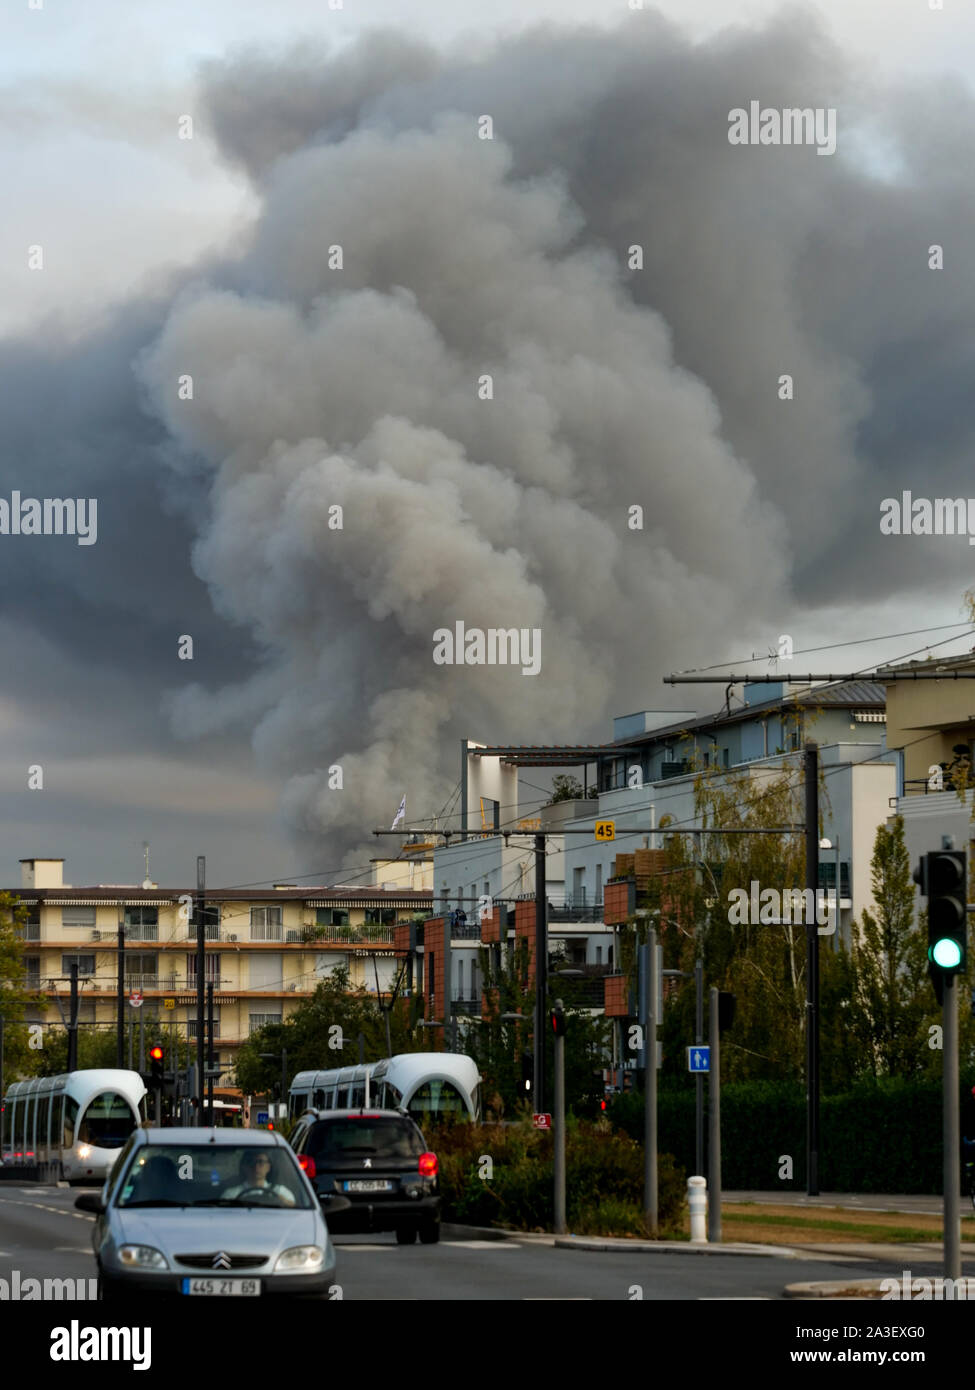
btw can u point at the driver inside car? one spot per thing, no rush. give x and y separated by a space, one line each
255 1174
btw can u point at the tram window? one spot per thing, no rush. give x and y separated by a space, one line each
394 1098
18 1125
436 1099
318 1100
57 1119
43 1112
358 1094
29 1131
107 1122
70 1118
342 1098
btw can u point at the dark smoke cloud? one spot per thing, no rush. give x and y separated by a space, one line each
315 386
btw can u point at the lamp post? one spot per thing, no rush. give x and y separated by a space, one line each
825 843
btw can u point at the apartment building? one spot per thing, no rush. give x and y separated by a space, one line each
266 949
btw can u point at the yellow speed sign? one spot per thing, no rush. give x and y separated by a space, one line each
605 830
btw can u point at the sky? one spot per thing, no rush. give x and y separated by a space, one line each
184 170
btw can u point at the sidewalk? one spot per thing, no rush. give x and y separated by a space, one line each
911 1204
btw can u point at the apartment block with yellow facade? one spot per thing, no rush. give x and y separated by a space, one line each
266 949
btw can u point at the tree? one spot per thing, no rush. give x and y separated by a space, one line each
323 1032
889 975
565 788
20 1058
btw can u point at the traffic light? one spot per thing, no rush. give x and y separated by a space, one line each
942 878
156 1066
557 1016
726 1010
527 1071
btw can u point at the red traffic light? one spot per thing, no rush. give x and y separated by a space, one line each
155 1053
558 1023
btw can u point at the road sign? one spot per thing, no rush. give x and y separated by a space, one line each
543 1121
262 1117
169 1003
699 1059
135 999
605 830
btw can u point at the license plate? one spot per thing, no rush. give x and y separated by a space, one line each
363 1185
223 1288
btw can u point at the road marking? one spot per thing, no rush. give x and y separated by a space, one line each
482 1244
343 1248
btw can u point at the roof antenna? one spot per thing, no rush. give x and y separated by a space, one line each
147 881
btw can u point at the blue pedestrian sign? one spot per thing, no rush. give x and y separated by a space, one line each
699 1059
262 1117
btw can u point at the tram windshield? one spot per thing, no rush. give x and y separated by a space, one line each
437 1099
107 1122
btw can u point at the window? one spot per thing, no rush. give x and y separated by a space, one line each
265 924
70 1117
142 923
32 964
85 964
599 883
327 961
191 1024
43 1111
460 979
430 976
107 1122
266 970
444 895
211 921
599 955
333 1141
332 917
578 887
141 962
262 1021
212 968
78 916
727 757
436 1098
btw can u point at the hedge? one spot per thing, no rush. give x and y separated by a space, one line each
881 1136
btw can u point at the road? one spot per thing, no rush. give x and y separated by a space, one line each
42 1236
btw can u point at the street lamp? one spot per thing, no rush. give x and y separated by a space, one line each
825 843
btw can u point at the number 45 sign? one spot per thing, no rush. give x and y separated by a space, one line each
605 830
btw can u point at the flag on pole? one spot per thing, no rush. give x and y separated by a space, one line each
400 814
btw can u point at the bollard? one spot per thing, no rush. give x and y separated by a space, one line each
697 1200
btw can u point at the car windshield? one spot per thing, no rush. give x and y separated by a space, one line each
333 1140
212 1175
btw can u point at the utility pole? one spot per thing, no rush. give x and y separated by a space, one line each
811 760
699 1078
714 1122
73 1021
650 1185
120 991
541 971
201 874
210 1052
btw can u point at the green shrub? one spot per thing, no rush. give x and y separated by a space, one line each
502 1175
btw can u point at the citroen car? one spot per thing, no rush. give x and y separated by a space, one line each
380 1162
210 1213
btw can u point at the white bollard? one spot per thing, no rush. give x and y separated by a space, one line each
697 1200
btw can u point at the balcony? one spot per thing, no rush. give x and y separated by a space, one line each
142 931
576 910
211 932
30 931
368 934
466 1007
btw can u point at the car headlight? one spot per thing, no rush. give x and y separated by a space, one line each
301 1258
142 1256
83 1151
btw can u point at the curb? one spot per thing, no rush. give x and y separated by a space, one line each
667 1247
836 1288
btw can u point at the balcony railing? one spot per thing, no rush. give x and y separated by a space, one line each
30 931
367 934
142 931
576 910
211 932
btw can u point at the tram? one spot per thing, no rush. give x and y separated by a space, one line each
74 1124
431 1086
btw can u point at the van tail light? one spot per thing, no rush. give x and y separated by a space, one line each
428 1165
307 1165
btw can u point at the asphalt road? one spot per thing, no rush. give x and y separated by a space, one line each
42 1236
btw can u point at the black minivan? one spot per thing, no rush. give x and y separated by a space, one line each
379 1160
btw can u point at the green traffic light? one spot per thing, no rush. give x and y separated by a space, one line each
946 952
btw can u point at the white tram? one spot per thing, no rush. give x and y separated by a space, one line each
430 1085
75 1124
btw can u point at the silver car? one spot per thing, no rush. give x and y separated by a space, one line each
211 1213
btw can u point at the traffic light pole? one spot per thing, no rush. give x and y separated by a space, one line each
650 1186
541 972
811 760
201 933
714 1120
952 1133
560 1222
